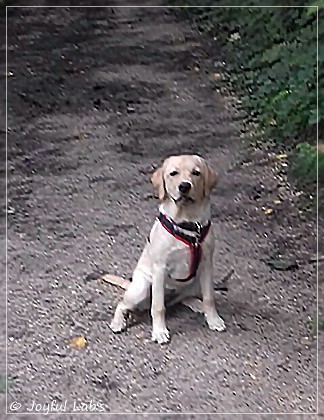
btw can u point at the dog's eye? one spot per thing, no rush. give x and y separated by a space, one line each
173 173
195 172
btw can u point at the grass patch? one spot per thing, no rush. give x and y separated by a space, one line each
306 162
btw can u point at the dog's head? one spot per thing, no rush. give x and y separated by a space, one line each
185 179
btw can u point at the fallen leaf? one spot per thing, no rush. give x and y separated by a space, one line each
78 343
268 211
282 156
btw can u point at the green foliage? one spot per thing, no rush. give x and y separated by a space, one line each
306 162
319 4
271 56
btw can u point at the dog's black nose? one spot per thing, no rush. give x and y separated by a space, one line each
184 187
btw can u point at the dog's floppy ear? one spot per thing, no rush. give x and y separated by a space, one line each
158 184
210 179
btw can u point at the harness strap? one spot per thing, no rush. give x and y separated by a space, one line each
194 242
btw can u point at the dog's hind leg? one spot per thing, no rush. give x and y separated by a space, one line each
137 292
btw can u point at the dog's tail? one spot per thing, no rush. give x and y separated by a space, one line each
222 286
116 281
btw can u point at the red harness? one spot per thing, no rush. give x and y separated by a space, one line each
194 242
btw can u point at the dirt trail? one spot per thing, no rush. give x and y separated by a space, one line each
97 97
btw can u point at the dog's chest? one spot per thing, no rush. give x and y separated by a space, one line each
178 262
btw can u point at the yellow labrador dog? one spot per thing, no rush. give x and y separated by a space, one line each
178 256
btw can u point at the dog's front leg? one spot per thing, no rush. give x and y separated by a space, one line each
214 321
160 332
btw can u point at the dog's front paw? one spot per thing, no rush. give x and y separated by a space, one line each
216 323
118 324
161 335
118 327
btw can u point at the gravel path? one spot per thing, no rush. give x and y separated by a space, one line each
96 99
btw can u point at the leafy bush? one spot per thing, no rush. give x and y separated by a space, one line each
306 162
272 59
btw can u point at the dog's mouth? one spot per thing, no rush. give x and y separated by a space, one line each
183 199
